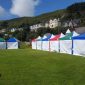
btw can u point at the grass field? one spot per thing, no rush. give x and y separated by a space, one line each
30 67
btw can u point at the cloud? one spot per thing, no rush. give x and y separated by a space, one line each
4 14
2 11
24 7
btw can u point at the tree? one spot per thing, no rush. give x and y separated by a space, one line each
41 31
25 32
4 24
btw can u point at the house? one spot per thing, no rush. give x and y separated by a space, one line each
65 24
54 23
2 30
71 23
13 29
36 26
46 25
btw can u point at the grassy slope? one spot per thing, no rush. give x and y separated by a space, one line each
29 67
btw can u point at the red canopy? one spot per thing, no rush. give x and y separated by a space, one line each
55 38
33 40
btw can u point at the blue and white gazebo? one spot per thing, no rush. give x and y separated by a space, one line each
78 45
12 43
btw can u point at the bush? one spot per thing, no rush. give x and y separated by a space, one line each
23 45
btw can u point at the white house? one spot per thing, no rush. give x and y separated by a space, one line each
46 25
35 27
2 30
54 23
13 29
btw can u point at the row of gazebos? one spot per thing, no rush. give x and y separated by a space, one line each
11 43
70 43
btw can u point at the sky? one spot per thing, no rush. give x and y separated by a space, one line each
10 9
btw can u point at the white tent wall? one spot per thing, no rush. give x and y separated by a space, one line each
78 47
2 45
34 45
39 45
66 46
45 45
12 45
54 46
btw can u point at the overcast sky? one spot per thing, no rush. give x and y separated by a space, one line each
19 8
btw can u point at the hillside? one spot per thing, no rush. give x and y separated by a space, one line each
75 11
34 20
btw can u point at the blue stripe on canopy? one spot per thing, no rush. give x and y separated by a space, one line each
48 37
80 37
12 40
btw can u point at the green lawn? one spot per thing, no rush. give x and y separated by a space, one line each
30 67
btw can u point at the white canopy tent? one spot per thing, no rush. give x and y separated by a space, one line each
54 43
34 44
66 43
12 43
78 45
46 43
2 43
39 43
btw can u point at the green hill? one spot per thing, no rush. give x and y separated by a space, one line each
34 20
74 11
30 67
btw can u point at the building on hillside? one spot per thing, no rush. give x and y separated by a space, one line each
71 23
13 29
2 30
52 23
36 26
65 24
46 25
